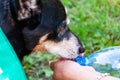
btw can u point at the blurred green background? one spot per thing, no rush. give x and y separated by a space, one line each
95 22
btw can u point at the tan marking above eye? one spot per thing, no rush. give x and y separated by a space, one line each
40 46
42 39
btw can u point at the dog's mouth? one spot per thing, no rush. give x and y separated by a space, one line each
63 58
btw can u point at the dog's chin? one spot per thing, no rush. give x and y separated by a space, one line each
68 57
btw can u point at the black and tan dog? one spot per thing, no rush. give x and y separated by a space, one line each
38 25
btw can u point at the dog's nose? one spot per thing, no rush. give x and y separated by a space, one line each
81 50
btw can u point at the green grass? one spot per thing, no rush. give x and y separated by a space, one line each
95 22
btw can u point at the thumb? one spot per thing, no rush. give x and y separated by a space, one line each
52 64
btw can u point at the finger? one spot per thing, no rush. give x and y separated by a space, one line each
52 64
53 77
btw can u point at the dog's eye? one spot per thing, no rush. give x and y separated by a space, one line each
52 36
61 31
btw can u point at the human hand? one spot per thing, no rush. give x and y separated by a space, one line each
70 70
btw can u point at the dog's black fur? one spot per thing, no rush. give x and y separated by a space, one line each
24 33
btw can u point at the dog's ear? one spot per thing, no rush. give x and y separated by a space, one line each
52 14
28 8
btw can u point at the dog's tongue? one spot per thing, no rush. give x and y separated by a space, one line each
81 54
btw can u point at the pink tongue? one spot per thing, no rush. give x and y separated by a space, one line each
81 54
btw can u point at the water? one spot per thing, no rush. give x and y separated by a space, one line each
104 61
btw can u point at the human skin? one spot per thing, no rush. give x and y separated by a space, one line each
70 70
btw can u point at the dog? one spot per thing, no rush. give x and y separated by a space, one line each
38 25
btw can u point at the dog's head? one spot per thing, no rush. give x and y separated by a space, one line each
46 28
